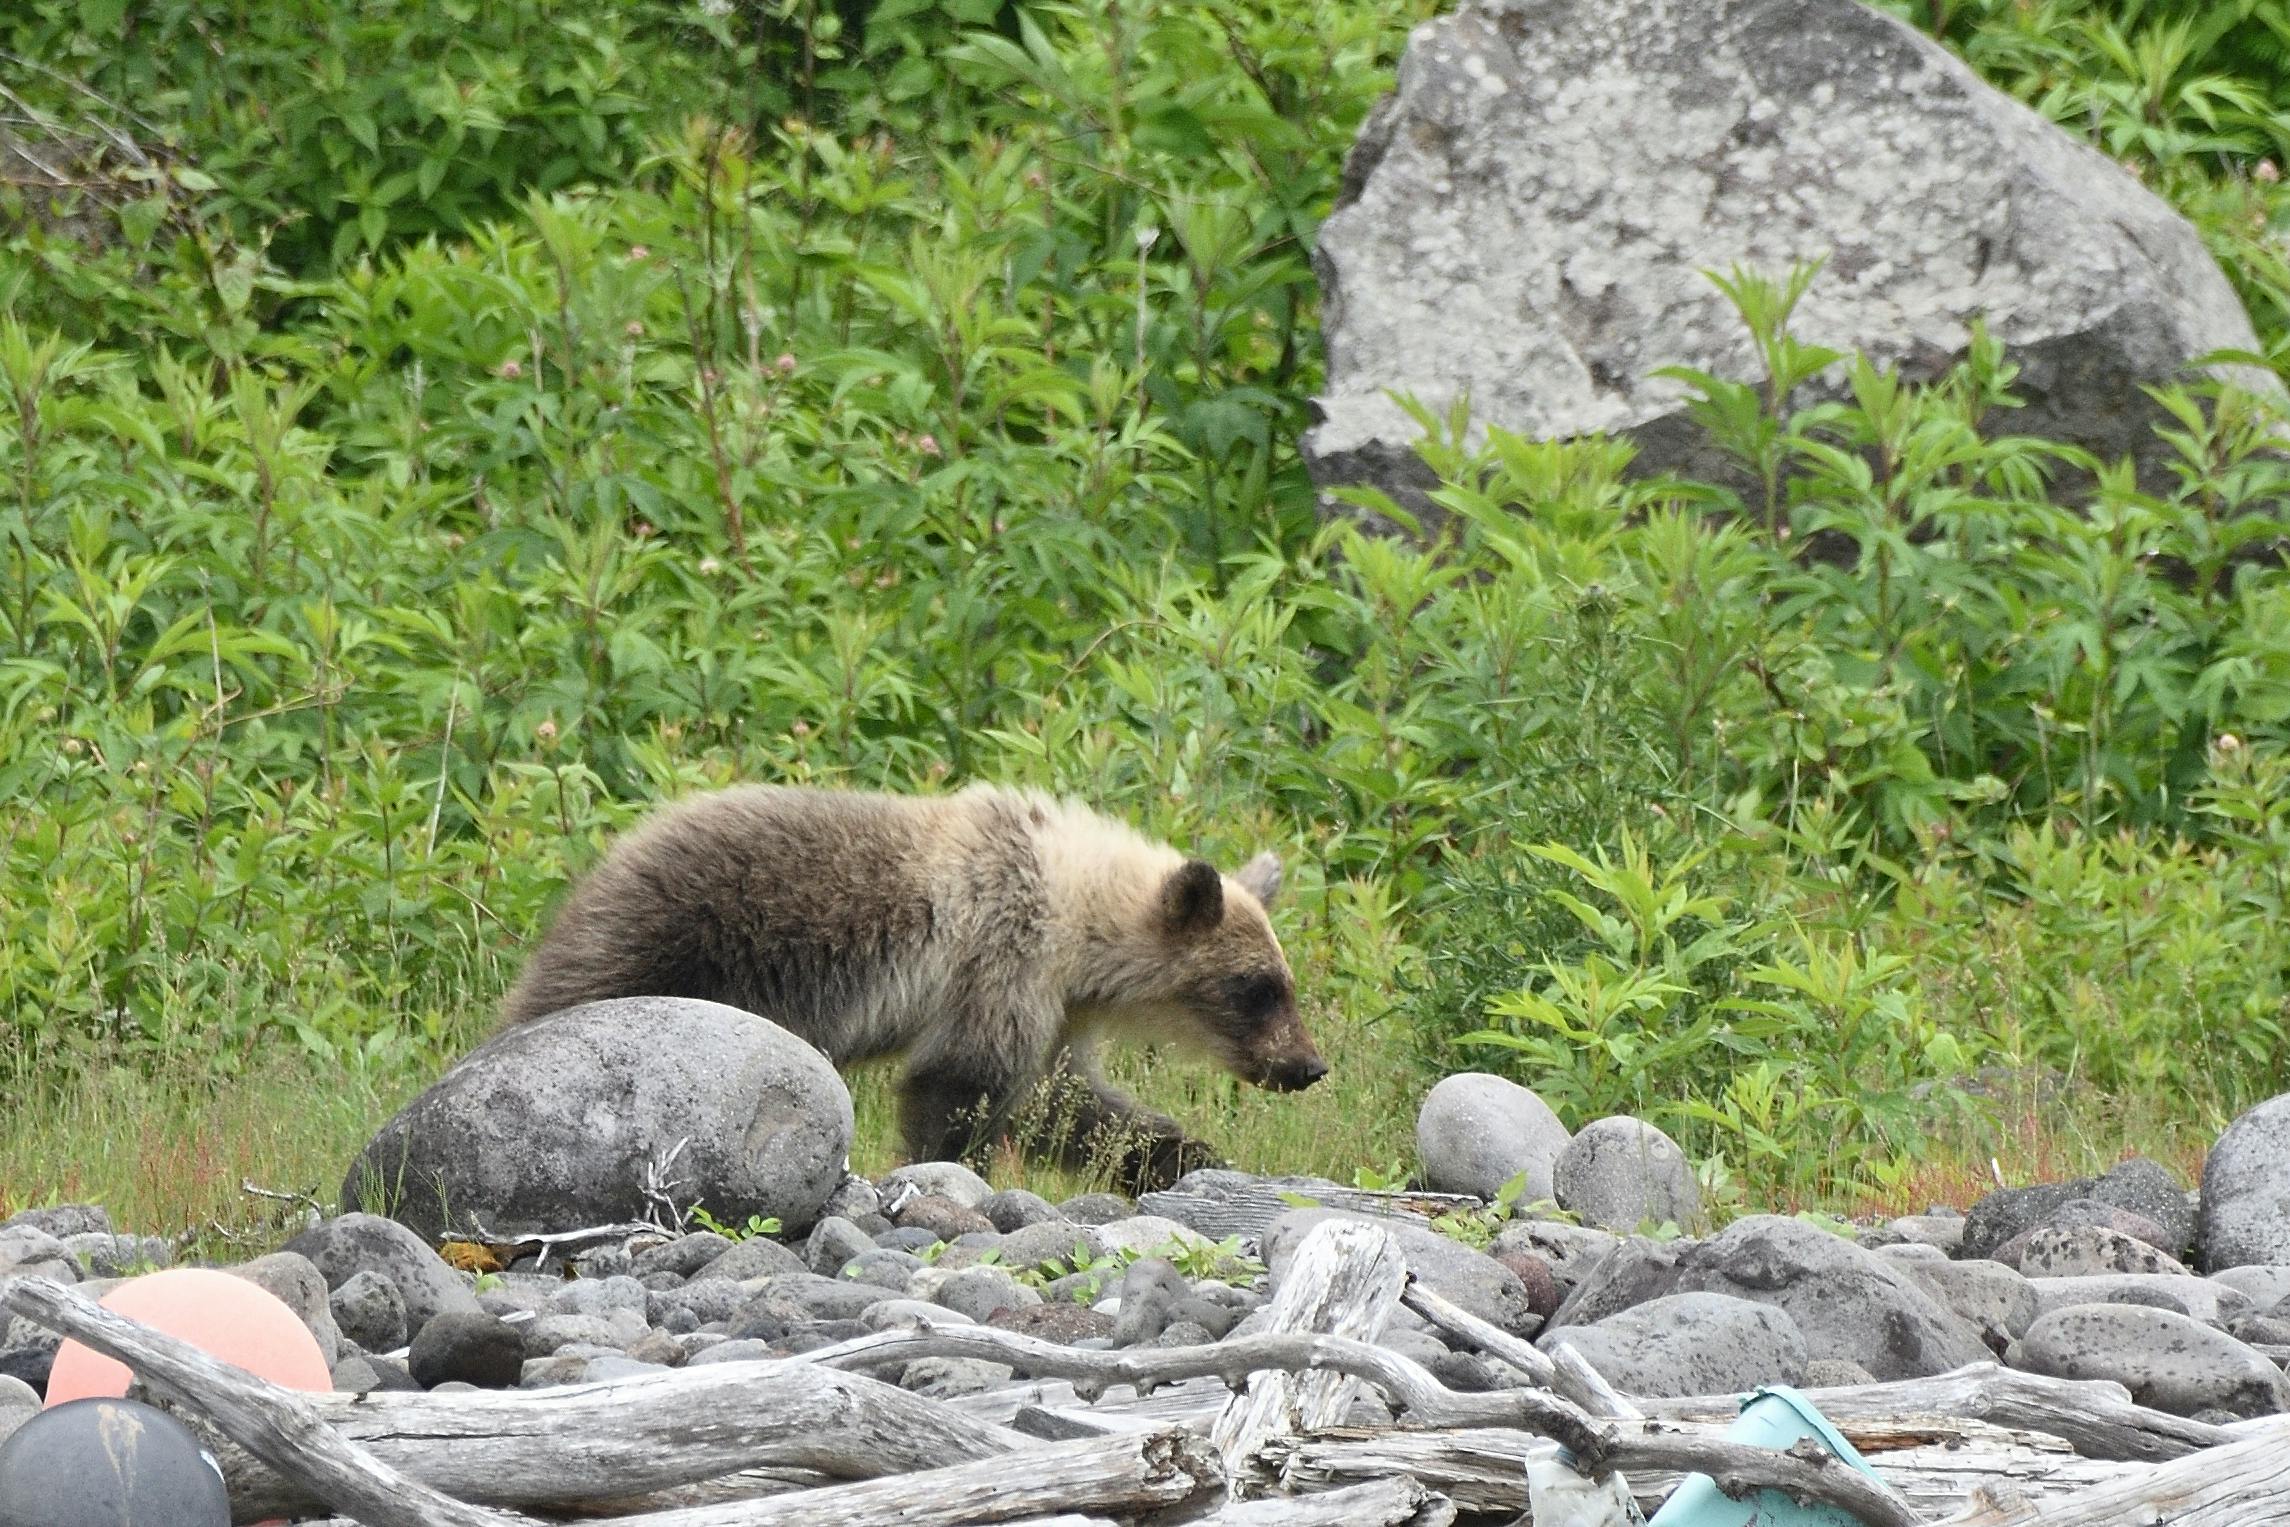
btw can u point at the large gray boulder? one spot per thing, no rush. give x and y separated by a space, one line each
2246 1190
1526 222
564 1121
2165 1359
1847 1301
1476 1131
1690 1344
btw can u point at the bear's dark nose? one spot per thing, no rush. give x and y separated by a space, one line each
1296 1075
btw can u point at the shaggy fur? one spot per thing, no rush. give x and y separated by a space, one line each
992 938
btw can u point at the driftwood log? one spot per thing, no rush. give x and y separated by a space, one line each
1344 1283
2097 1416
560 1447
2242 1484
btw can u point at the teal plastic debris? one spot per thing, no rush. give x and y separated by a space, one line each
1774 1417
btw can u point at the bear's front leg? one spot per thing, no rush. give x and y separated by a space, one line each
956 1108
1092 1125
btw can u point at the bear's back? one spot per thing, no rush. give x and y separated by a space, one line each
835 914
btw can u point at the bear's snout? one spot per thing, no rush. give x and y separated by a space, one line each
1294 1075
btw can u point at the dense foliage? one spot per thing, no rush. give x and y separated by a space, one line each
448 429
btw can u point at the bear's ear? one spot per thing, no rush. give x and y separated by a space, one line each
1193 898
1260 877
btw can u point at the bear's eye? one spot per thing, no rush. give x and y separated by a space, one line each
1256 997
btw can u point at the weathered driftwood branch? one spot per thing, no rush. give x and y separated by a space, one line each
1127 1475
1395 1501
1600 1446
2243 1483
584 1442
277 1425
2095 1415
1344 1280
1576 1380
1935 1463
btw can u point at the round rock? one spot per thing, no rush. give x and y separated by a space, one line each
469 1346
2166 1360
2246 1190
1690 1344
1621 1173
370 1311
561 1121
1475 1132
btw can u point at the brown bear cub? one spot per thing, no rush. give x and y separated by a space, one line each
992 938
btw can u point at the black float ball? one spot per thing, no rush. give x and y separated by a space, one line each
108 1463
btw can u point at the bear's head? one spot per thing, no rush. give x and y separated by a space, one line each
1226 978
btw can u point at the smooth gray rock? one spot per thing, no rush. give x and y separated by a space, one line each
1998 1302
981 1292
369 1310
1690 1344
854 1198
102 1254
1015 1209
23 1244
947 1179
1096 1208
297 1283
2246 1191
945 1218
2166 1360
1847 1301
757 1257
1945 1231
2209 1302
2089 1214
559 1123
784 1304
1571 1252
2007 1213
894 1270
1154 1297
599 1296
1636 1270
605 1331
1147 1235
1526 221
1472 1279
835 1243
2265 1285
1622 1173
61 1220
348 1244
1476 1131
19 1402
355 1375
893 1314
2056 1251
1054 1240
467 1346
683 1256
2147 1188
